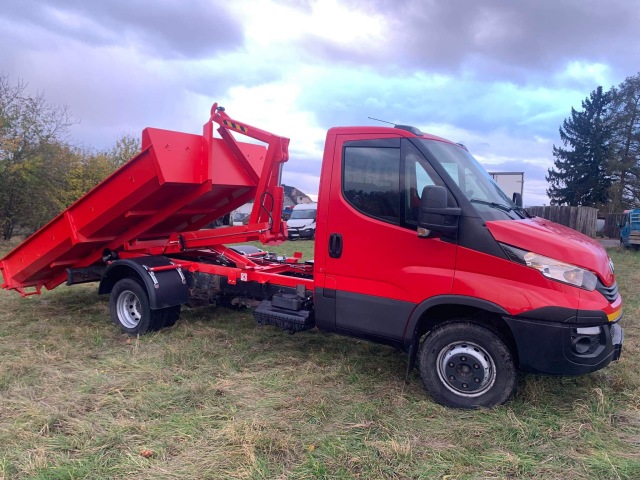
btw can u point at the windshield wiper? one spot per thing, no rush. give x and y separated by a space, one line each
521 212
499 206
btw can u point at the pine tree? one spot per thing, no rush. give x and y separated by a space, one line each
624 166
579 176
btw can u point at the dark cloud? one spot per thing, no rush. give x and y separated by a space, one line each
121 65
301 163
501 72
163 28
517 40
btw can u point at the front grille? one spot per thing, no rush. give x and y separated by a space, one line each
610 293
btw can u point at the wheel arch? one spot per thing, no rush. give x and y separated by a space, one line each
115 273
440 310
164 288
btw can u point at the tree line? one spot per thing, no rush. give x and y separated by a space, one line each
41 171
598 164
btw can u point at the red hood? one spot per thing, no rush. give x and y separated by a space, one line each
556 241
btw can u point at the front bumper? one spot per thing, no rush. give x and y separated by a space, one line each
617 338
565 349
296 233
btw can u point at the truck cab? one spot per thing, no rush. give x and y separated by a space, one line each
417 246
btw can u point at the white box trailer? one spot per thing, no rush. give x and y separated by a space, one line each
509 182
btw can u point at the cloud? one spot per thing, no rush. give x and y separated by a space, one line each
162 28
521 39
350 95
498 75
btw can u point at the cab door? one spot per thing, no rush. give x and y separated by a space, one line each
375 266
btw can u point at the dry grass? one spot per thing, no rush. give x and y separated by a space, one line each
218 397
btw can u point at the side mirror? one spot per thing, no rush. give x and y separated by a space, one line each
435 216
517 199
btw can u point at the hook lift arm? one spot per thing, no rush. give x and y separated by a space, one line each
265 220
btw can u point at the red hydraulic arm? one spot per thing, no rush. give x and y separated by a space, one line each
265 220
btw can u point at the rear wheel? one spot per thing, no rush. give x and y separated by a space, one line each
129 309
466 365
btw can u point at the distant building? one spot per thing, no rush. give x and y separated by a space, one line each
293 196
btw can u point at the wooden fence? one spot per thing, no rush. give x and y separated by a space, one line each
582 219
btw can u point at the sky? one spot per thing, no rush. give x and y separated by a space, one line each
497 75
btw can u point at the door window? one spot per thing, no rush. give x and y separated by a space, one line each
371 181
385 182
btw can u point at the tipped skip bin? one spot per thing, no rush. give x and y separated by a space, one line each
178 182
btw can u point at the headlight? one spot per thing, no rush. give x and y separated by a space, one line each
553 269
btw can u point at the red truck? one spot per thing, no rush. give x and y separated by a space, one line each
416 247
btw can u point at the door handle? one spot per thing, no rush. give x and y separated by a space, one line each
335 245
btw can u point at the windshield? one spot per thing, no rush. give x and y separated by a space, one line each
477 185
303 214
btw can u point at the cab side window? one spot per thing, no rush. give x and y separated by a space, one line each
386 182
371 181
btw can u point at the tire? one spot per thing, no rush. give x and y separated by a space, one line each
466 365
129 309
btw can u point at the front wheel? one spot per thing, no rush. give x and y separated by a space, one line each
466 365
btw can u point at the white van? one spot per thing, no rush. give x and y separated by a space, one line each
302 223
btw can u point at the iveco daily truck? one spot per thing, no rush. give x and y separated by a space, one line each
415 247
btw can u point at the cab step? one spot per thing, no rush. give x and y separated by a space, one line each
284 311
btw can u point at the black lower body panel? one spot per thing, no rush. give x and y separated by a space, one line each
564 349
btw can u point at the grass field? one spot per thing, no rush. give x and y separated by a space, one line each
218 397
